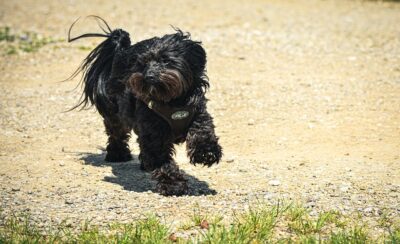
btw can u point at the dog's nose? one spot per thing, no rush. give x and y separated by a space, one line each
151 71
151 79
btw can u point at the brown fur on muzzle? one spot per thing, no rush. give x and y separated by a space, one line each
171 85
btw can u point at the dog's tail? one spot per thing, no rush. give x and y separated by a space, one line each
97 66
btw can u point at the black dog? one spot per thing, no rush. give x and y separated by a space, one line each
155 87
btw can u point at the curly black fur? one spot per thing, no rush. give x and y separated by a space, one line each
120 78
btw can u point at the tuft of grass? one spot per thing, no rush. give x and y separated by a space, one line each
14 43
255 226
301 223
149 230
353 236
5 34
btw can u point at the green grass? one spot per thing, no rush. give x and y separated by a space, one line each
281 223
14 43
150 230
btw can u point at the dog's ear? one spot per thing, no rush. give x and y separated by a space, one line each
196 57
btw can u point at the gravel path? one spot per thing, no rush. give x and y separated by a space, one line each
305 95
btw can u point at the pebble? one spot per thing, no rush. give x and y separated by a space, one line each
368 210
274 182
268 196
69 202
230 160
344 188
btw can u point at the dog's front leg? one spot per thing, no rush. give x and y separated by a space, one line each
156 151
201 142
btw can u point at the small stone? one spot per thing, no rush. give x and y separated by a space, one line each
310 204
368 210
230 160
250 122
204 224
173 237
274 182
61 164
69 202
68 223
268 196
15 189
344 189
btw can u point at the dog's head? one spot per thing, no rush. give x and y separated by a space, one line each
167 68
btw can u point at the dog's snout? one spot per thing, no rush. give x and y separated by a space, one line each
151 79
151 72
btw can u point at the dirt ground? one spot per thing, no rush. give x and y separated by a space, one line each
305 96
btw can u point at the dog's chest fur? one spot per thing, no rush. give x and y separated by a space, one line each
172 118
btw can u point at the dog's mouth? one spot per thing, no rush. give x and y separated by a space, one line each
170 85
152 90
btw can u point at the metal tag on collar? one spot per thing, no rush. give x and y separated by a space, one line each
178 115
150 105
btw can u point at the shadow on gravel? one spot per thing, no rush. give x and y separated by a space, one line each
129 175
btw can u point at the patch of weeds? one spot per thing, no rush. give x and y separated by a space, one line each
255 226
5 34
19 230
13 43
198 217
301 223
281 223
201 220
394 234
354 235
392 228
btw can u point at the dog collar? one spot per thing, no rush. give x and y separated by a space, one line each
178 118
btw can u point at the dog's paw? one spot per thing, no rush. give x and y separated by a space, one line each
118 153
145 165
118 156
170 181
207 154
176 188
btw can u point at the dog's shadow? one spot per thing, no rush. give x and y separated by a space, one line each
132 178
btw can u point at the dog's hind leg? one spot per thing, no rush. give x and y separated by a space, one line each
118 137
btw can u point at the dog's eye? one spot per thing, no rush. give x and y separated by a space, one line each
165 60
140 64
